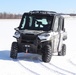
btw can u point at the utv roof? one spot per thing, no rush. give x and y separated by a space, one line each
44 12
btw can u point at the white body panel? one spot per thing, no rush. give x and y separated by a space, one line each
56 39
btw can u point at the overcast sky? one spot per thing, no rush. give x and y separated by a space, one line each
20 6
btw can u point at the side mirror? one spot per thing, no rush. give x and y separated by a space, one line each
16 29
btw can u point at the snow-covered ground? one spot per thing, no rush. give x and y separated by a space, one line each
31 64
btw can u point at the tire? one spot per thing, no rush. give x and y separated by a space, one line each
63 51
47 54
14 50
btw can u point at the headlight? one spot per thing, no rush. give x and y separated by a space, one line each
44 36
17 34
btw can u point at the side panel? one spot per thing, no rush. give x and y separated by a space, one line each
61 41
61 33
56 41
56 34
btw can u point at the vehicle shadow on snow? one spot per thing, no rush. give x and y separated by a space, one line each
5 55
29 57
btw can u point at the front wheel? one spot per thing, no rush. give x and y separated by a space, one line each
47 53
14 50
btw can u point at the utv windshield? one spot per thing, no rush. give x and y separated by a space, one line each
36 22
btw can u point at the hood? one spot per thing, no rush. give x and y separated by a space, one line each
35 32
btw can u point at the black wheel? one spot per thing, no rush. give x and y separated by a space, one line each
14 50
47 53
63 51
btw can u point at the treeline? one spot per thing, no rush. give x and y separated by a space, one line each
18 16
72 14
10 16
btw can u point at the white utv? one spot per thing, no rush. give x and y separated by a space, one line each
40 32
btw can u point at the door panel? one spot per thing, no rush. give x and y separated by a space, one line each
56 34
56 41
60 40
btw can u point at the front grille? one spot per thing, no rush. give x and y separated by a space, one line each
28 38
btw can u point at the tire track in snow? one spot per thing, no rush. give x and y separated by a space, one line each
62 69
27 68
37 60
28 58
71 62
56 72
46 67
52 68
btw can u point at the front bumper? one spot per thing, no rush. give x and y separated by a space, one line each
29 48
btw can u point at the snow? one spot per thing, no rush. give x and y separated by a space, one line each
31 64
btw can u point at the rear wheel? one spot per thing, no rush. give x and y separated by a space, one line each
14 50
47 53
63 51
